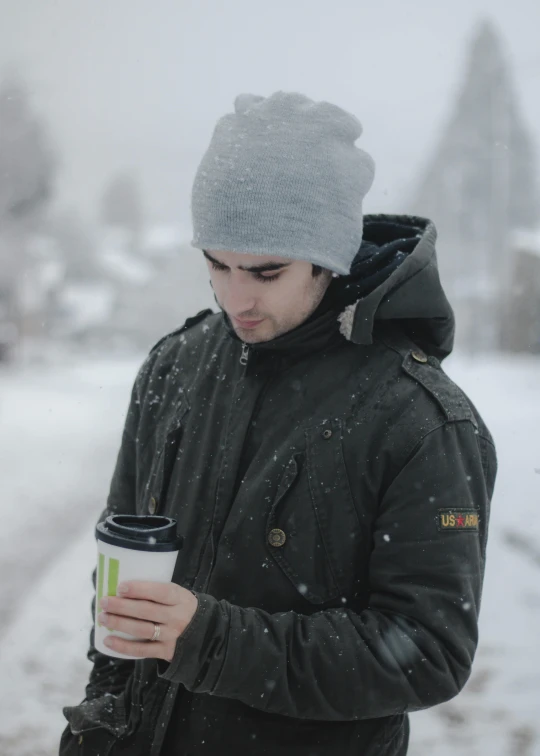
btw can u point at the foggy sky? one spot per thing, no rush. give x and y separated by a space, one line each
139 84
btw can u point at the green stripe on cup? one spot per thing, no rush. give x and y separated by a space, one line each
101 571
114 566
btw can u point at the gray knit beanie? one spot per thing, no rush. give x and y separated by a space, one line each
282 176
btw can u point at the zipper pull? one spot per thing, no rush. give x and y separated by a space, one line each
245 354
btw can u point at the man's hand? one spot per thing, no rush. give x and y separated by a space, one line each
141 606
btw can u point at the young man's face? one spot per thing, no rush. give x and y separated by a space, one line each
264 295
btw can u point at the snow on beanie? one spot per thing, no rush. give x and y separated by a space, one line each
282 176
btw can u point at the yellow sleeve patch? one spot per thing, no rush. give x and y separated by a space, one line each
458 519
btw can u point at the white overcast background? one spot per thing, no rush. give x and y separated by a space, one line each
139 84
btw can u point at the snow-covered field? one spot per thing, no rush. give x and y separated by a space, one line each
59 431
59 434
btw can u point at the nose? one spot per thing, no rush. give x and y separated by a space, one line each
239 298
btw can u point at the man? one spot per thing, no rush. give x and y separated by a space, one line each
331 483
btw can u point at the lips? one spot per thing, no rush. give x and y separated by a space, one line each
247 323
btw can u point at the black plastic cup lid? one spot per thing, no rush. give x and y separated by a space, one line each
140 532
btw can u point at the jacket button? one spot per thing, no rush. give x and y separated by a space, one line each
419 356
152 506
327 434
276 537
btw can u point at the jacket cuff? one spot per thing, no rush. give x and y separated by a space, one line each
206 633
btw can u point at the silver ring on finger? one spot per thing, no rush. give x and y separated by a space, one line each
157 631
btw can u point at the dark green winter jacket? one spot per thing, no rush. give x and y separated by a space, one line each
332 490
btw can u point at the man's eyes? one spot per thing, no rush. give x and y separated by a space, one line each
265 279
257 276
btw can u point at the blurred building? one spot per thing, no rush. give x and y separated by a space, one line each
481 184
521 326
137 294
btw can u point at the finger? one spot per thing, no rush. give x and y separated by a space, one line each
161 593
144 649
138 628
144 610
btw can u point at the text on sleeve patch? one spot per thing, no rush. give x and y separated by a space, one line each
458 519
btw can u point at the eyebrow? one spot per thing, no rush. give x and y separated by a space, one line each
265 268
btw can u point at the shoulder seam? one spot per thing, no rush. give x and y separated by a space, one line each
459 409
490 441
462 411
189 323
418 442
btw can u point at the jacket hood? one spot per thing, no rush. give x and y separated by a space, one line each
394 277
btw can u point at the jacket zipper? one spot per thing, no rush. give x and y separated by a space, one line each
244 357
245 354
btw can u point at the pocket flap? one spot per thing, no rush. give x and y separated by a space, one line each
287 479
107 712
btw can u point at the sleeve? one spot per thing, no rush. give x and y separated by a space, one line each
109 674
414 644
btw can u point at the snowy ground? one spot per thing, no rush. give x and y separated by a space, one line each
59 434
59 430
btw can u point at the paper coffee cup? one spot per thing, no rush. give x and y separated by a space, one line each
132 547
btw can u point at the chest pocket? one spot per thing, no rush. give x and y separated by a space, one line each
313 530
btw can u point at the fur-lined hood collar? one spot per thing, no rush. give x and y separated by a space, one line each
395 278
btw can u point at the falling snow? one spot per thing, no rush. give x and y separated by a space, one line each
497 701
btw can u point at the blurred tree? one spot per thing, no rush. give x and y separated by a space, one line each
481 183
27 162
28 168
77 246
121 206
